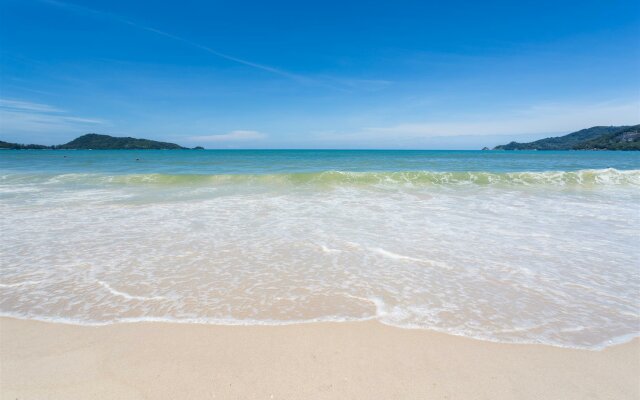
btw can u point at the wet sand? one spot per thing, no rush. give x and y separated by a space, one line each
363 360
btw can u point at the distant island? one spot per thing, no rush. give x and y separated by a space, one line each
94 141
595 138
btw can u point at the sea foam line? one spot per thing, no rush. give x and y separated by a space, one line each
333 319
396 256
608 176
329 250
126 295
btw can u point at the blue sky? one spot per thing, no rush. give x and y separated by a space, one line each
359 74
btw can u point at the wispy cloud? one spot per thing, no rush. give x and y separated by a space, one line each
120 19
336 83
536 119
18 116
8 104
233 136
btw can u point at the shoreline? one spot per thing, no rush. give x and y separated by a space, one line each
361 360
616 341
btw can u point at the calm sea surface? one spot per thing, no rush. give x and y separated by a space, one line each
518 247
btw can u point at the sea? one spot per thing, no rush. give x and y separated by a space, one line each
513 247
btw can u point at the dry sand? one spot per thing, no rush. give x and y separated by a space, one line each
365 360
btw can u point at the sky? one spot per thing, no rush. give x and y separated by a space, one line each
307 74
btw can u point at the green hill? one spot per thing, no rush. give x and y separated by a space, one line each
626 139
604 136
93 141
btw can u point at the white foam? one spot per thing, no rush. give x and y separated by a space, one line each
329 250
396 256
531 263
126 295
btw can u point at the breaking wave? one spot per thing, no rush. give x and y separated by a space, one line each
587 177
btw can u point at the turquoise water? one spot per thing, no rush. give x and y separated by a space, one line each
290 161
515 247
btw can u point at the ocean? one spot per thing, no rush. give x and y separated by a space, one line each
514 247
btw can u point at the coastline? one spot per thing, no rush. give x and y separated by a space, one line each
359 360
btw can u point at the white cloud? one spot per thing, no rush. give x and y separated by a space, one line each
233 136
328 82
27 106
115 17
18 116
536 119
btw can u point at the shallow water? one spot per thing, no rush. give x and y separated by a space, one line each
532 247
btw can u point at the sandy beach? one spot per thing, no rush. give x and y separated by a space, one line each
365 360
413 200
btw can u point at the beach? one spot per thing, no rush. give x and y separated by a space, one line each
339 200
328 274
514 248
360 360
